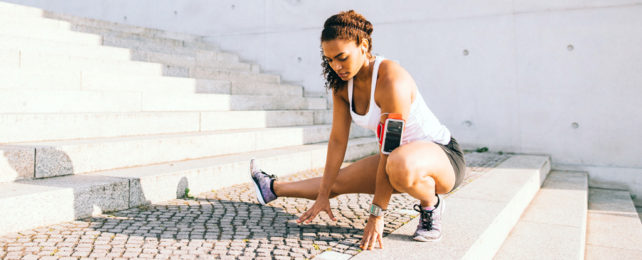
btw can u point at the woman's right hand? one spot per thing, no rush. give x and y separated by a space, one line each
322 203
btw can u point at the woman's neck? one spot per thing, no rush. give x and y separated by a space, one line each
365 72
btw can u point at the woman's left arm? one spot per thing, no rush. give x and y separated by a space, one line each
393 95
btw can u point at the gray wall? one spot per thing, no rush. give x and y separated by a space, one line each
546 76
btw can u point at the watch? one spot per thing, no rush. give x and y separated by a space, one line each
376 210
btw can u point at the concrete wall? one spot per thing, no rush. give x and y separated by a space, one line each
546 76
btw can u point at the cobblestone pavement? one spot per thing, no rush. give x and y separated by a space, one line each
222 224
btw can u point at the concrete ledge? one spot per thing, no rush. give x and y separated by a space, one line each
554 224
26 206
614 229
68 157
30 204
478 217
167 181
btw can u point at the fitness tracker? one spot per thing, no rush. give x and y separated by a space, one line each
376 210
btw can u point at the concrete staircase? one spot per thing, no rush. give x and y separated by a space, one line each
98 116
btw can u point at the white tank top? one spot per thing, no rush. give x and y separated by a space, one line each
421 124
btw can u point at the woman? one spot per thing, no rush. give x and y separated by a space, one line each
366 89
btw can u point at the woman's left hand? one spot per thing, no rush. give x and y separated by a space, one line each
372 233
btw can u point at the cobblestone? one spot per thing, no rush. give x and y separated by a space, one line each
221 224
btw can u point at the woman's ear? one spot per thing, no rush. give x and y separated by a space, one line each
364 46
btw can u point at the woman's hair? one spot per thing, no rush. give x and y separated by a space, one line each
348 25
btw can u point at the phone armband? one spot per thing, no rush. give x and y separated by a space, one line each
391 133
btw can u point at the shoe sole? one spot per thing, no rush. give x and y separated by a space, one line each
259 196
423 239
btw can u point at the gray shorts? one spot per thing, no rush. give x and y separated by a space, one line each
456 157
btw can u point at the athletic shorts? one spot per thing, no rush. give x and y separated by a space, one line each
456 157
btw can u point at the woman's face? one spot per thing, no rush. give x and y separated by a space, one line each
344 56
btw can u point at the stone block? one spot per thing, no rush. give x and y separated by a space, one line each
92 194
16 163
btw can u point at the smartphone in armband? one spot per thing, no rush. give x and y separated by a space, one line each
392 133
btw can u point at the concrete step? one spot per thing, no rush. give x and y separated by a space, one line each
16 43
162 46
554 224
267 89
19 10
12 20
211 73
221 60
55 79
68 101
42 202
100 26
219 102
36 32
75 101
478 217
614 230
28 127
38 61
58 158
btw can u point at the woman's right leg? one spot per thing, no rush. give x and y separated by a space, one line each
358 177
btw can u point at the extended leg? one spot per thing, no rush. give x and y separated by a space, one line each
358 177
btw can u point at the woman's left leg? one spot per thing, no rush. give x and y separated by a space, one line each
421 169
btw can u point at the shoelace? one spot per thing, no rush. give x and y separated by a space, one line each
426 217
272 176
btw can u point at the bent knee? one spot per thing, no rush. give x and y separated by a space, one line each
400 172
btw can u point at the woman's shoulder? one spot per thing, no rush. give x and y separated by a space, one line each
392 75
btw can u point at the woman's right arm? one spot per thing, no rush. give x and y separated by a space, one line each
337 145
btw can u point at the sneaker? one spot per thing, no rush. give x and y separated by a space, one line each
429 228
263 183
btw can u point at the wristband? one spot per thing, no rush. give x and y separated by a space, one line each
376 210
